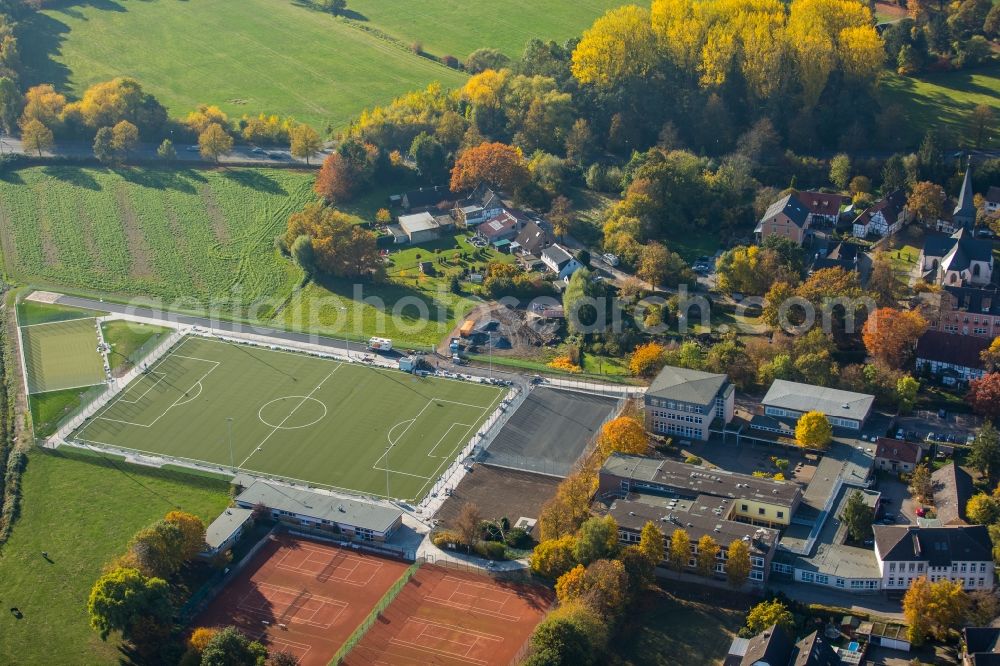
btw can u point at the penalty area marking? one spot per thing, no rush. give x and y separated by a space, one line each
160 376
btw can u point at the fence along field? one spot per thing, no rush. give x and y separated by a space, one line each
151 232
315 420
62 355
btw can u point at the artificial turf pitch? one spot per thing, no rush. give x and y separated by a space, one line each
62 355
295 416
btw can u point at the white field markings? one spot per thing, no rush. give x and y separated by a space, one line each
100 414
61 321
278 427
445 459
159 378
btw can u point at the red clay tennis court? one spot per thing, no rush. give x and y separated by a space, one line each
303 596
452 617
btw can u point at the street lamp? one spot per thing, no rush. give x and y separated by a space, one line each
229 428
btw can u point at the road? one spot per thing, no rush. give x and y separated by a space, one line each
334 345
186 153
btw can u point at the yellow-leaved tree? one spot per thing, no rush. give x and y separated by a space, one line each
618 46
813 431
646 360
624 434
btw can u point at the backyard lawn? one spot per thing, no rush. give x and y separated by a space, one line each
82 511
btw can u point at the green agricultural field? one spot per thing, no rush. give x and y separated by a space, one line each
62 355
247 56
171 234
452 27
82 511
296 416
944 99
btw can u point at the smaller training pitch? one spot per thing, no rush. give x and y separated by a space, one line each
62 355
291 415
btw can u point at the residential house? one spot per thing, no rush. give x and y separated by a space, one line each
848 256
559 260
965 310
500 227
726 495
981 646
699 517
685 402
787 217
896 455
814 650
958 553
992 203
952 491
771 647
951 358
957 260
482 204
824 207
533 238
787 401
427 198
223 533
354 519
883 218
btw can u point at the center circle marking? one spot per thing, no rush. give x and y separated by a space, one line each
303 405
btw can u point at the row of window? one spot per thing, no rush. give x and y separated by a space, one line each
906 582
757 562
673 416
676 406
760 511
670 429
918 567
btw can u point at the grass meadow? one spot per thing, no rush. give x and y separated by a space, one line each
452 27
159 233
943 99
247 56
82 510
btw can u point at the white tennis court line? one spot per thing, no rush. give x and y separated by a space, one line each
427 628
298 650
471 606
327 562
290 414
270 607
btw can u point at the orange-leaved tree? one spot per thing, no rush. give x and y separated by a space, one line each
495 164
624 434
646 360
890 335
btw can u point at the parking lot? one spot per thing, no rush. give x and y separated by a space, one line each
896 500
953 428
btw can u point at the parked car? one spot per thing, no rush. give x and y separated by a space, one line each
920 511
611 259
900 434
256 150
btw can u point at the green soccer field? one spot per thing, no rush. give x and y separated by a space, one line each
62 355
296 416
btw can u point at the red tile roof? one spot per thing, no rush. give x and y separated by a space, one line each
898 450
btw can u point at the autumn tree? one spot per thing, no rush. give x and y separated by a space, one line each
984 454
580 142
708 550
652 543
340 247
106 103
654 264
496 164
44 104
561 216
571 634
813 431
624 434
891 335
933 609
192 530
36 137
200 637
124 137
984 395
840 170
680 549
102 147
304 142
606 587
158 550
766 614
983 509
570 586
738 563
921 485
214 142
926 201
619 46
122 597
597 539
858 516
553 557
883 282
646 360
